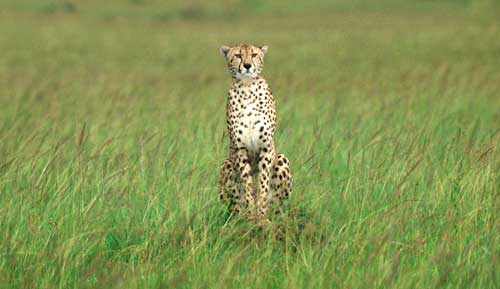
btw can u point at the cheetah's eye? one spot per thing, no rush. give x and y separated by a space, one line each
254 54
238 55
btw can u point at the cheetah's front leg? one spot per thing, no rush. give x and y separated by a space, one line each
246 198
266 158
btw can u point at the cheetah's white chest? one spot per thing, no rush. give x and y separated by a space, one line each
251 135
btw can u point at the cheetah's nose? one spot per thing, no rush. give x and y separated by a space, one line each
247 65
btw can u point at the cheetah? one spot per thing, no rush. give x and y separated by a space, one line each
254 176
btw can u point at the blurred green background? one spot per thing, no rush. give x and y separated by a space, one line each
112 121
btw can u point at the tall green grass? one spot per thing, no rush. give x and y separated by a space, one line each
112 120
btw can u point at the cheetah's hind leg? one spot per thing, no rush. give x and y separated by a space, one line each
281 179
229 187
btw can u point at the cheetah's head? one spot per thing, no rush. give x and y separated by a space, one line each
245 60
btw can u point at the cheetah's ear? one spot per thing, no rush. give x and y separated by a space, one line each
264 49
224 50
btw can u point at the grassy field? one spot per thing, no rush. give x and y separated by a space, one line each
112 121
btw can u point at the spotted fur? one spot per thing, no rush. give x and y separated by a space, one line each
253 175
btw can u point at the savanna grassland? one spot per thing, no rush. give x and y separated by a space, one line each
112 128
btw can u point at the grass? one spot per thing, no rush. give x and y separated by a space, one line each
112 120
